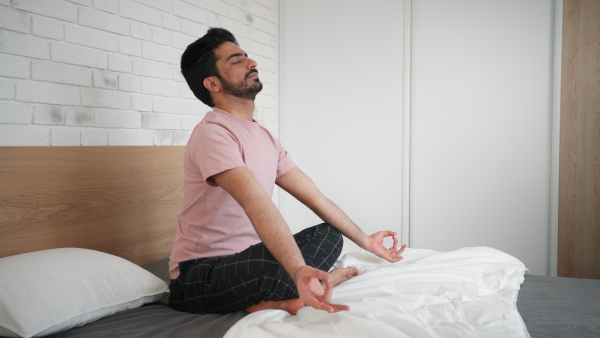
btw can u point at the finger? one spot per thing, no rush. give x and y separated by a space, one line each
321 275
311 272
397 256
326 299
402 249
330 307
395 247
319 305
328 291
340 307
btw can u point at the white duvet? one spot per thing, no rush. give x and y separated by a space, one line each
470 292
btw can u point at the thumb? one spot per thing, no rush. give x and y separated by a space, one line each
320 274
307 272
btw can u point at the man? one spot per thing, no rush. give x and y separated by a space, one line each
233 250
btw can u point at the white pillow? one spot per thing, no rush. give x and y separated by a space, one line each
50 291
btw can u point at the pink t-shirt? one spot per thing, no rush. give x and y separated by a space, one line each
211 222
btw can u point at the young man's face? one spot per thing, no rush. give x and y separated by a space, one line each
238 73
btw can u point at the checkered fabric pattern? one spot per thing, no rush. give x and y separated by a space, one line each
233 283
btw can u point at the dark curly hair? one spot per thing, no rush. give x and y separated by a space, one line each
198 61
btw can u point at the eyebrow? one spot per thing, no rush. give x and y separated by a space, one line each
236 55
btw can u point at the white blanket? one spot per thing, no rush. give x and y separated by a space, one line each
470 292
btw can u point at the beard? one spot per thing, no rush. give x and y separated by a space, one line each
242 89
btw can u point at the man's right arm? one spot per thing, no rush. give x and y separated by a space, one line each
275 234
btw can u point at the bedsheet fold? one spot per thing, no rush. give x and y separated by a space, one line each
470 292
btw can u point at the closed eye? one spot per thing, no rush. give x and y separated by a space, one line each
237 57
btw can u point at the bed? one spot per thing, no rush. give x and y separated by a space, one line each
106 215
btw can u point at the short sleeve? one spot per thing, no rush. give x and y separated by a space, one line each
213 149
285 161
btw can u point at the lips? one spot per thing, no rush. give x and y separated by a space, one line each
253 74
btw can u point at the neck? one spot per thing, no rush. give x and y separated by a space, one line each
242 108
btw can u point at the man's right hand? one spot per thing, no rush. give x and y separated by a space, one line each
314 293
275 234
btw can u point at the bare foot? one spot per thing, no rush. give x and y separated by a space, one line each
341 275
291 306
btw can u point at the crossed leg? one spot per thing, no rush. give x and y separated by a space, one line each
252 279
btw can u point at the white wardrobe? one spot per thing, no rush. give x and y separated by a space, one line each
432 118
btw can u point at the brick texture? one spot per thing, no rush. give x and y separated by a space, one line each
106 72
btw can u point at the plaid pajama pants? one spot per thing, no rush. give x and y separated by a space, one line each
233 283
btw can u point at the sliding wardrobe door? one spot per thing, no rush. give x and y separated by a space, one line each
481 136
341 106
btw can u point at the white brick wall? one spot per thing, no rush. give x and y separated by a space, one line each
106 72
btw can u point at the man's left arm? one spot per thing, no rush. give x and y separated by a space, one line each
299 185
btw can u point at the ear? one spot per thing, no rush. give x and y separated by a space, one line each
212 83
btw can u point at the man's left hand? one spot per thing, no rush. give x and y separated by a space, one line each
392 254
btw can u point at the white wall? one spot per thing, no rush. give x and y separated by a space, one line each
482 115
481 81
105 72
341 106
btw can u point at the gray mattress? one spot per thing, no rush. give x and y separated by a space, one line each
550 307
560 307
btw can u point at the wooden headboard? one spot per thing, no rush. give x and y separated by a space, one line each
119 200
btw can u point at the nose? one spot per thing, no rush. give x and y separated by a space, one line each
251 64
